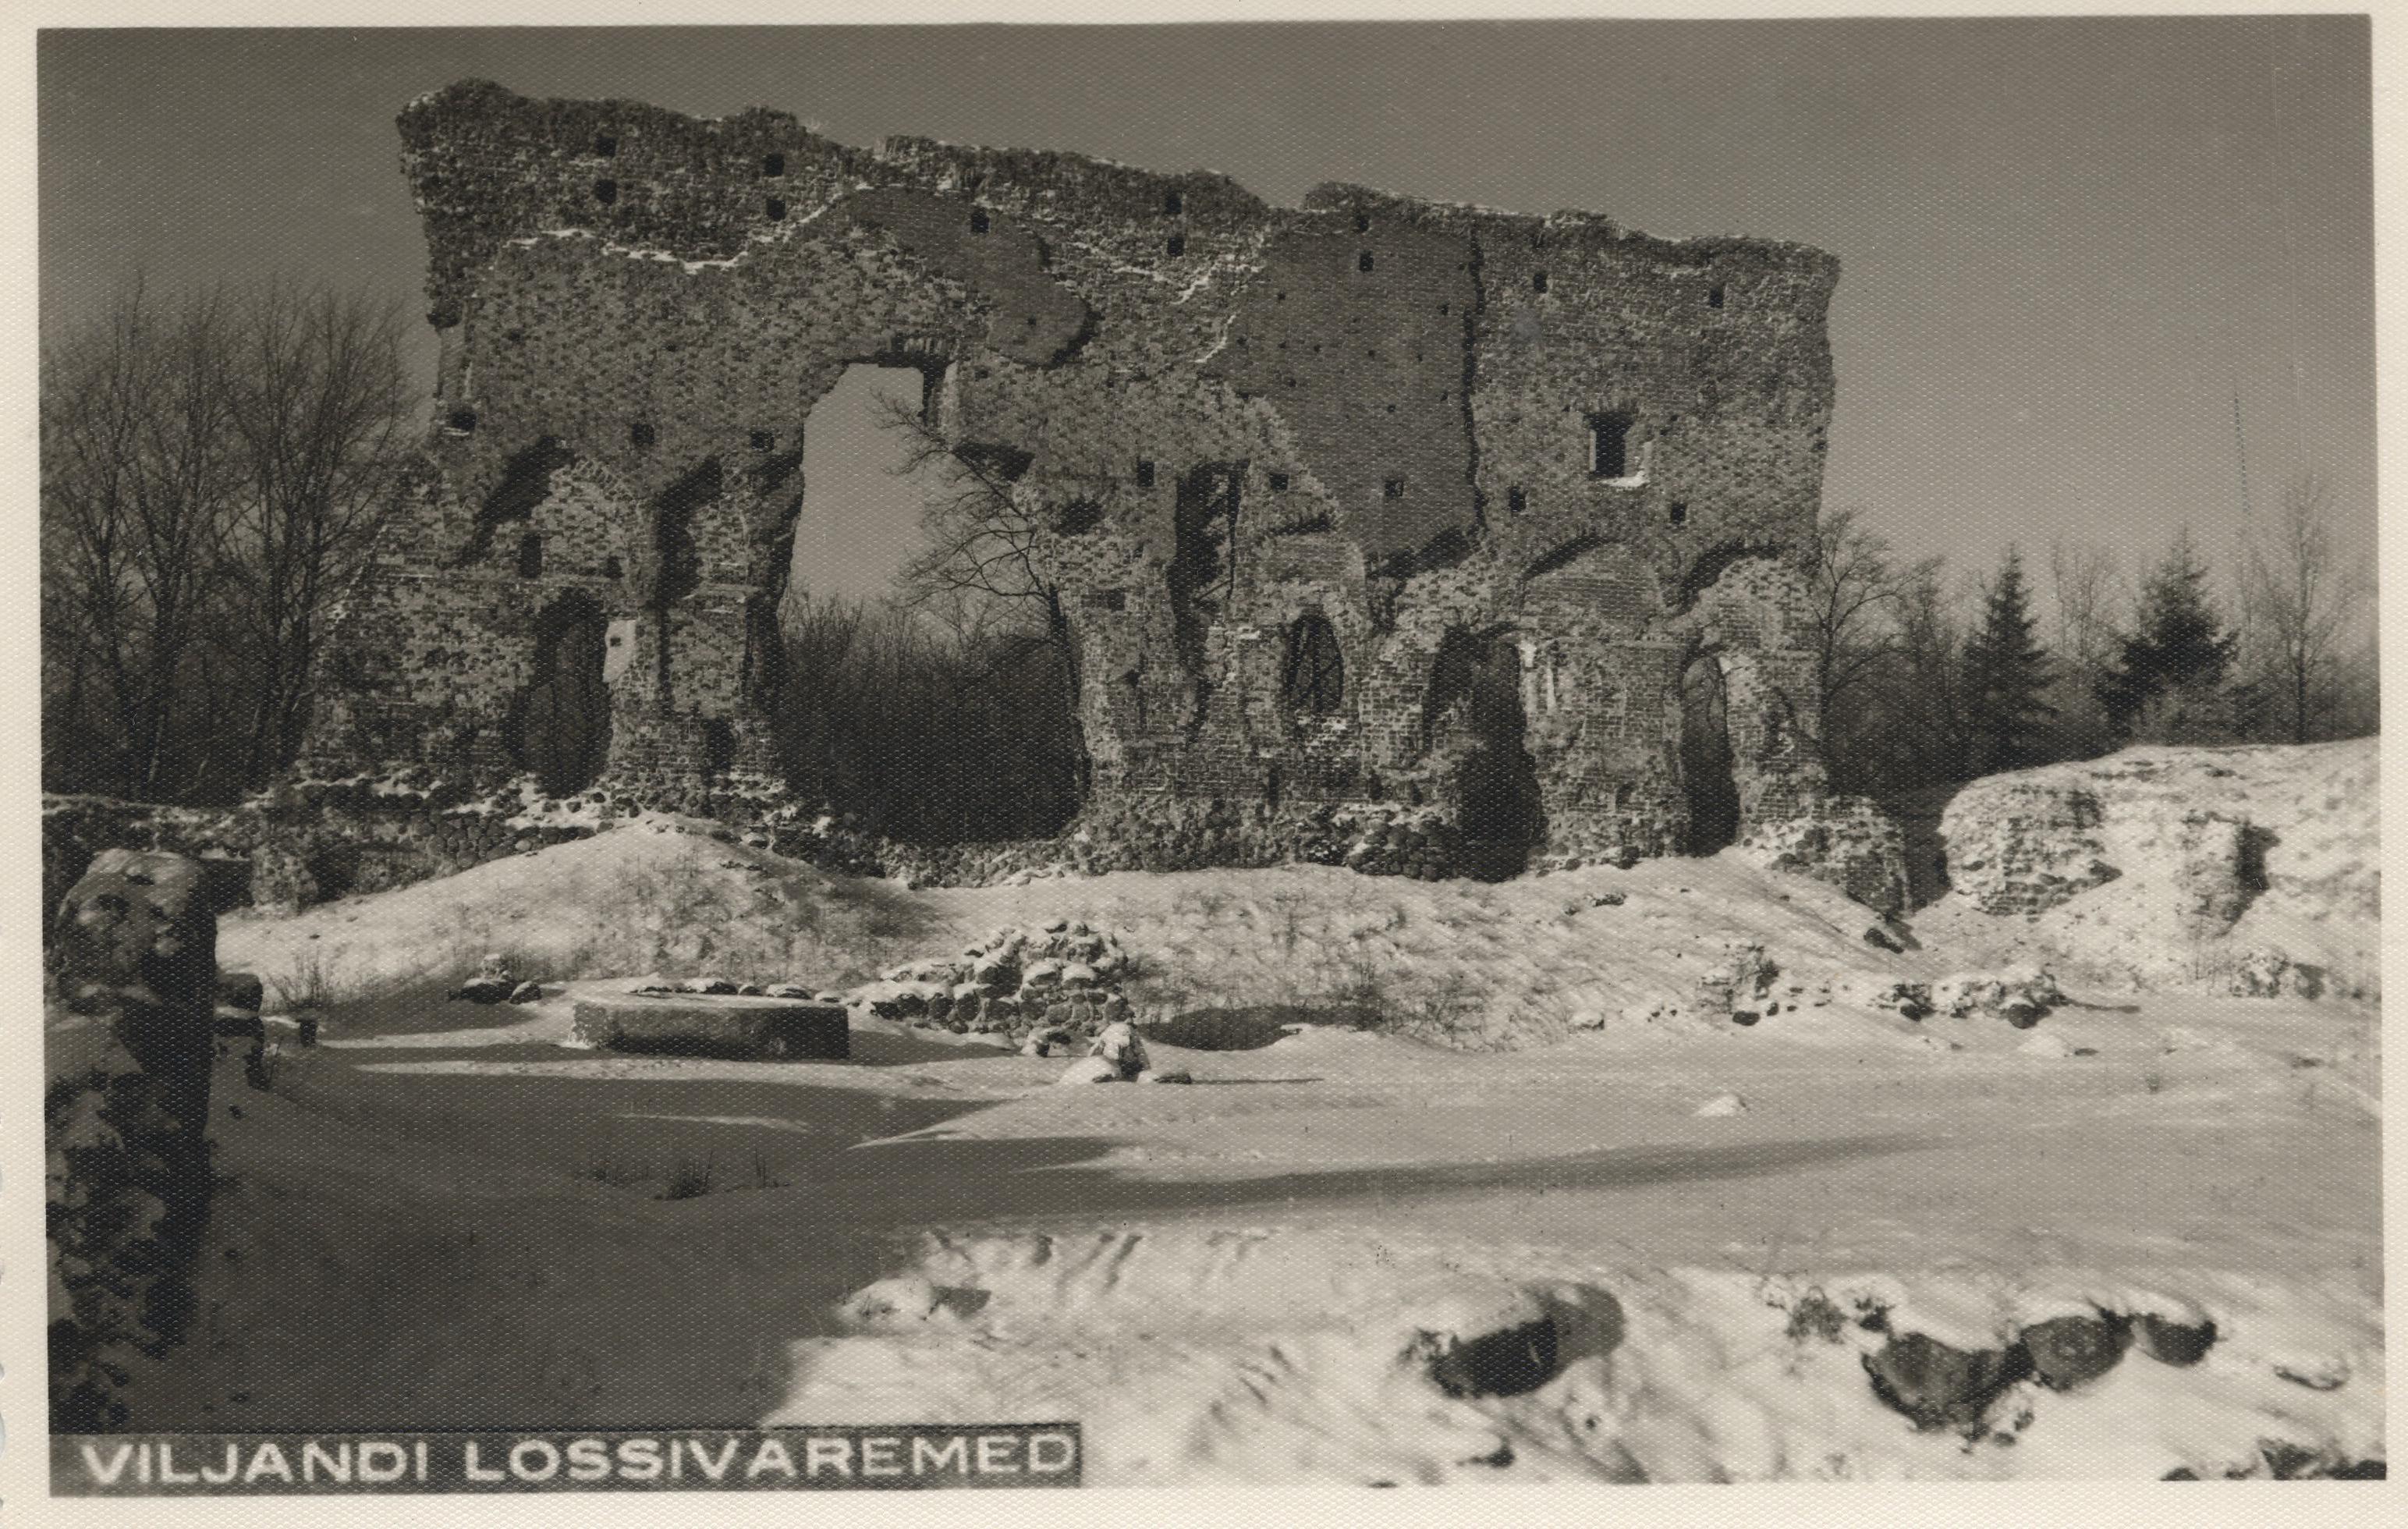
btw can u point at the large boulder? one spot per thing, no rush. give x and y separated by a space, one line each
1939 1385
2068 1350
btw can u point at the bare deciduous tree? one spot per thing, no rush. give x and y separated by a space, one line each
137 479
2302 599
1855 592
319 408
980 568
2090 599
209 470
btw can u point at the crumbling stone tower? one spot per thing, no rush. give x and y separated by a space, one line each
1369 508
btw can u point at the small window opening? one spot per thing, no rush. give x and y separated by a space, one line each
1444 309
605 146
1608 445
1173 204
1363 261
1362 223
773 164
765 440
611 569
1280 297
776 209
1715 296
464 420
1315 681
1176 244
641 434
1145 474
1279 482
606 192
1538 280
978 220
1516 500
1393 489
1678 514
530 555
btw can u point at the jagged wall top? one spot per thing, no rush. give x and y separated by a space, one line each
535 161
1379 376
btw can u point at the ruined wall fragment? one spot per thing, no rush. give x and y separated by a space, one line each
1408 429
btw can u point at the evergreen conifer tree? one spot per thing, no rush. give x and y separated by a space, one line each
2006 671
2178 649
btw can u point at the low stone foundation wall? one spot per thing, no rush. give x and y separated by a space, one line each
2021 845
1848 842
312 841
315 840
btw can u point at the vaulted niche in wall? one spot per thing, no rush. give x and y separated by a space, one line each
559 728
1476 686
1203 566
1314 680
1706 757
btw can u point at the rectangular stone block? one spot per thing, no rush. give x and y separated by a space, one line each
695 1025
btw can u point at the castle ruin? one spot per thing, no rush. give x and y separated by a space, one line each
1374 508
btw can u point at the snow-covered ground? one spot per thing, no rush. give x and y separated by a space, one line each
1244 1280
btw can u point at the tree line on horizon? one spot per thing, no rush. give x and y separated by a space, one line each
1927 678
214 468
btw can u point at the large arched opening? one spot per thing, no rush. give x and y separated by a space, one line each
559 729
1476 683
1706 764
927 697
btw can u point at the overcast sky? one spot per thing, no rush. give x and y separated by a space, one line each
2064 242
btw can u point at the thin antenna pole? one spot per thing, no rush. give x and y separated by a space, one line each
2241 455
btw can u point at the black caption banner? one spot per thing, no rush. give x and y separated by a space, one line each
598 1460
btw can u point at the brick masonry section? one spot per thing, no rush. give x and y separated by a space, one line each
1429 440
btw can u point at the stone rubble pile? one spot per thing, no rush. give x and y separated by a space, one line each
1389 841
2018 994
1741 986
2271 974
1064 978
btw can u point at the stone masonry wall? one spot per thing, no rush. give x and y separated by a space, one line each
1418 437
